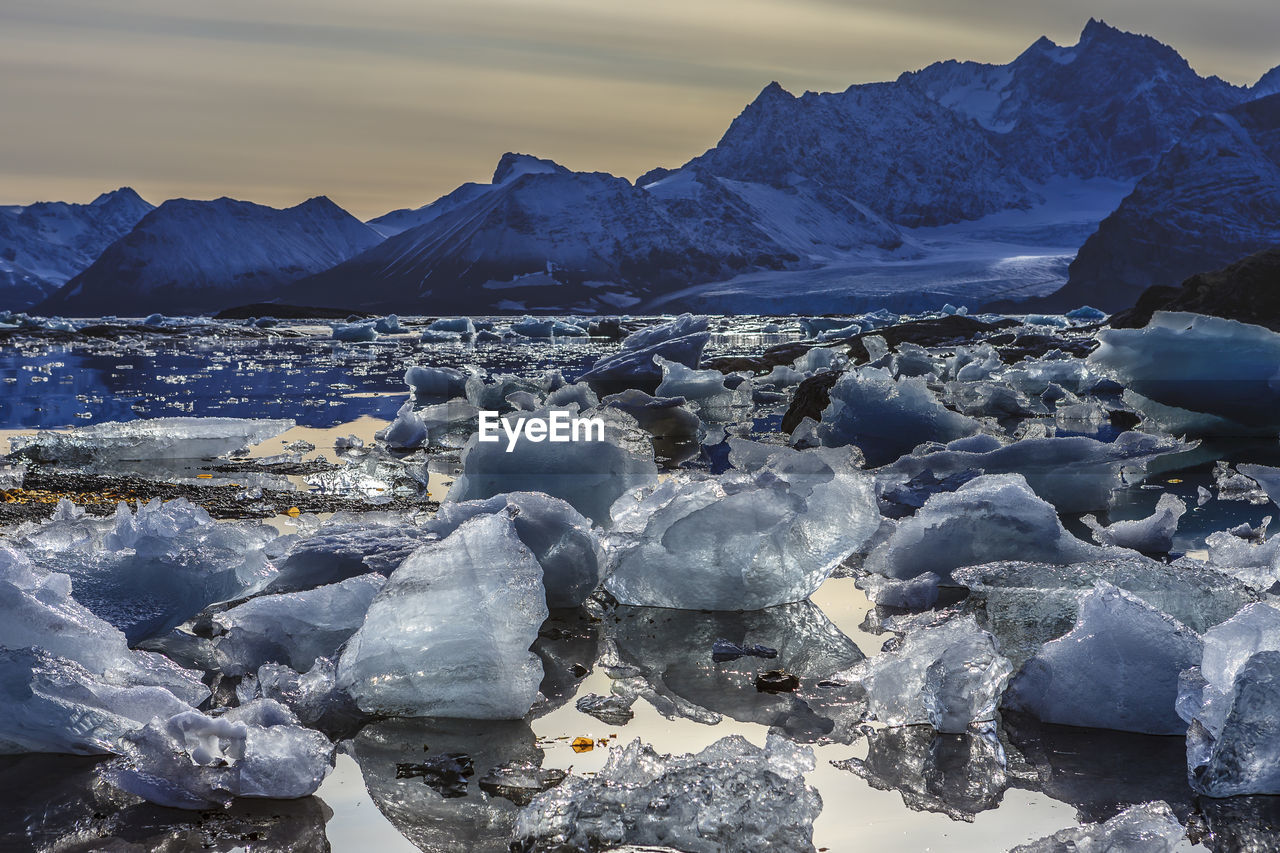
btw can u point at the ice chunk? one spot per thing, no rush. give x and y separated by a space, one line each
1233 745
579 394
435 384
1265 476
917 593
820 358
1146 828
350 545
388 325
561 539
431 425
948 676
1075 474
1198 363
292 628
886 417
589 474
745 540
449 634
680 340
491 393
612 710
312 696
149 571
547 328
661 417
704 389
958 775
154 439
1028 604
354 332
702 800
52 704
1116 669
37 611
993 517
1152 535
194 761
457 325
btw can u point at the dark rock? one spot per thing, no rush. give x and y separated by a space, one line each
446 773
811 397
1248 291
776 681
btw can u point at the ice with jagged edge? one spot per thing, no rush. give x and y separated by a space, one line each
450 632
442 424
589 474
1116 669
1152 535
1198 363
1232 703
293 628
948 676
887 417
148 571
681 340
661 417
1028 604
1074 473
706 390
435 384
1145 828
733 797
192 760
149 440
992 517
768 532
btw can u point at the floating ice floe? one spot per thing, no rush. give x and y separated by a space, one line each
1116 669
589 474
887 417
768 533
430 425
992 517
1232 703
688 802
1198 363
491 392
388 325
1075 473
449 634
354 332
435 384
1152 535
547 328
947 676
681 340
292 628
195 761
149 571
706 390
1146 828
154 439
1028 604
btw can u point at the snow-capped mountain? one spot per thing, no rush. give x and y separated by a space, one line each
43 245
1211 200
541 235
194 256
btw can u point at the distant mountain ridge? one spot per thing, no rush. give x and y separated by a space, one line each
960 181
200 256
45 244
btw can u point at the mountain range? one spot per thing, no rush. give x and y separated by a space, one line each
1071 174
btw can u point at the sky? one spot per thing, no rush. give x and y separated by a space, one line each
382 104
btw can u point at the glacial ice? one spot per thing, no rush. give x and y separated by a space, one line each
55 705
1152 535
313 696
435 384
948 675
153 439
530 327
149 571
661 417
37 611
992 517
1198 363
1116 669
388 325
745 540
589 475
733 797
681 340
917 593
348 545
354 332
1028 604
1146 828
561 539
195 761
449 634
705 390
1075 473
292 628
887 418
428 426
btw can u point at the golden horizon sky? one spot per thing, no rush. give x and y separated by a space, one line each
391 103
